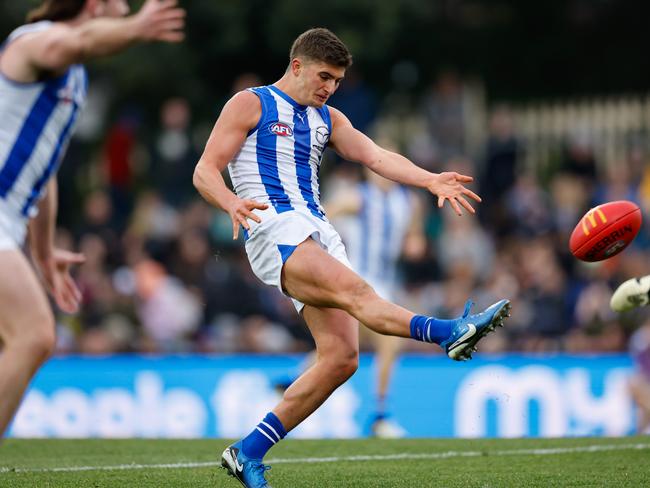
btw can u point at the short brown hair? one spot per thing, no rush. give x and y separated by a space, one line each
321 44
56 10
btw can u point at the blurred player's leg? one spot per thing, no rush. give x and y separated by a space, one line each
26 329
631 294
640 392
387 349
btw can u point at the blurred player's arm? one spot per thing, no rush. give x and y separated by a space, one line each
54 264
415 241
238 117
353 145
54 49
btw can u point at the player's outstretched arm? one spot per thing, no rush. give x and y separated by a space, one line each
54 264
63 45
353 145
237 118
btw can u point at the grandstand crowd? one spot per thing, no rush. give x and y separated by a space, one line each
162 273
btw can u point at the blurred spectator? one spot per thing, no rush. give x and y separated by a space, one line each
168 311
446 110
464 244
529 208
499 170
579 158
356 100
174 155
244 81
617 184
98 219
119 164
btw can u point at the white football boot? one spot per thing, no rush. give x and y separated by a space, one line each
631 294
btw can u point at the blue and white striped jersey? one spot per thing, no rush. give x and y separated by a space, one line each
375 236
36 122
279 161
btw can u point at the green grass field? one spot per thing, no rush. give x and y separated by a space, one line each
588 462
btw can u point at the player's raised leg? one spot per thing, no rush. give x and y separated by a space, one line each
336 335
314 277
26 330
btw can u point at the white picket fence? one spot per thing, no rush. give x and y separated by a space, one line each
612 125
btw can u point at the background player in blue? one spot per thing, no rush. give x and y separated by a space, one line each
42 89
379 221
272 139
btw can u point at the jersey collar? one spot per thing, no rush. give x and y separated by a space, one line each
286 97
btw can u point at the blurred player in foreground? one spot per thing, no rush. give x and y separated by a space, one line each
640 380
380 221
42 90
272 139
630 294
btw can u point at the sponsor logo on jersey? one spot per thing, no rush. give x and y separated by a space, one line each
281 129
322 135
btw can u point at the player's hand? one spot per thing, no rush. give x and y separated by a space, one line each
449 186
241 210
56 274
160 20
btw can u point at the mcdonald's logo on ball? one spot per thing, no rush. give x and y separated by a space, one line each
605 230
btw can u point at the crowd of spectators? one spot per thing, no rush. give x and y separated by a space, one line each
162 273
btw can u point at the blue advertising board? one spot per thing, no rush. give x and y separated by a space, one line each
225 396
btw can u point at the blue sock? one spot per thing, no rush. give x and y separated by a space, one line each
430 329
267 433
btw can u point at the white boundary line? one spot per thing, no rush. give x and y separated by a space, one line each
380 457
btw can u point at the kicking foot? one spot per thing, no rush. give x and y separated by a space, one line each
249 472
631 294
472 328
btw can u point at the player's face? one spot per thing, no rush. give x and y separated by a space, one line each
318 82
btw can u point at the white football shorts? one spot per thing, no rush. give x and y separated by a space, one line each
12 229
270 244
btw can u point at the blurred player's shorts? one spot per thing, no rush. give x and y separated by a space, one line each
12 229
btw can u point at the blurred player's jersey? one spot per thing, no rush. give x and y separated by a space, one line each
374 238
36 122
278 163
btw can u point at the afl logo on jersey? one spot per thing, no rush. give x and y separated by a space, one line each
281 129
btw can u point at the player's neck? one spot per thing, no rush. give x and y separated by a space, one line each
287 85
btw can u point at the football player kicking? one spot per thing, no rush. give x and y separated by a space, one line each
272 139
